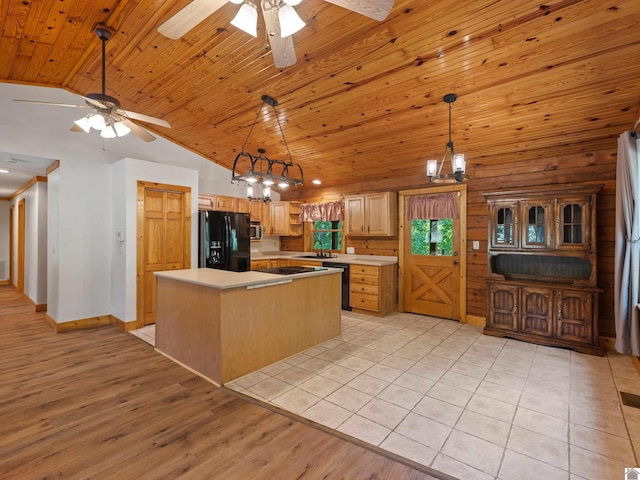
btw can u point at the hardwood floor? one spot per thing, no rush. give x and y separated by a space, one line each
103 404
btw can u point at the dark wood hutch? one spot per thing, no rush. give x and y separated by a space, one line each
542 266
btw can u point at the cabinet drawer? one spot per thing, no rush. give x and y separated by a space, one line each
365 270
363 288
258 264
364 301
364 279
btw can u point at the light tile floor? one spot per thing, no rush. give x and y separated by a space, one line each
475 407
146 333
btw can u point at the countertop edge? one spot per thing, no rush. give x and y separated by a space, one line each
258 278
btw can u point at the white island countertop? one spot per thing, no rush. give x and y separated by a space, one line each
224 279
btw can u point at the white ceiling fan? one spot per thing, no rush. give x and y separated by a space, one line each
109 118
280 19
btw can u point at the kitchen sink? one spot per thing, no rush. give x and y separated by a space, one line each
317 257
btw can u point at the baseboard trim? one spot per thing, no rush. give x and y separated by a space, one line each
4 282
123 326
636 362
608 343
476 321
81 324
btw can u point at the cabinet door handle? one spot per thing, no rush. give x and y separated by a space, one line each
362 228
559 312
515 308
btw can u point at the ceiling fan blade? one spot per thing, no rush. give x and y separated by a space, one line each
52 104
376 9
282 49
95 103
189 17
144 118
138 131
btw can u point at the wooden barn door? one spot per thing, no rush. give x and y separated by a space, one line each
433 259
164 240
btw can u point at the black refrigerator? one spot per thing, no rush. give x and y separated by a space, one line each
224 241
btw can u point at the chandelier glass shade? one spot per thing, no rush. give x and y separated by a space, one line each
458 164
259 172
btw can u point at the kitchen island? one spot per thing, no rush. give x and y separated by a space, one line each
223 325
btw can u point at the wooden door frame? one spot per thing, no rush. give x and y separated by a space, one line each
461 189
11 243
142 186
21 245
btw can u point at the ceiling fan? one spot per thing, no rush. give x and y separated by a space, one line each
280 19
108 117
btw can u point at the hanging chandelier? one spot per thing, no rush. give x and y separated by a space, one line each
434 172
260 172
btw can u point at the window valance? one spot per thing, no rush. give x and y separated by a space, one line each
432 207
326 212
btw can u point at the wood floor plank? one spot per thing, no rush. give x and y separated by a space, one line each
103 404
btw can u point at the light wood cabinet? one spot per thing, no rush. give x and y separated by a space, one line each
372 288
374 214
542 264
223 203
255 211
259 264
284 219
242 205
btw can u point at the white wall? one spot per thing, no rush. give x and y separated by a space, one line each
125 176
4 237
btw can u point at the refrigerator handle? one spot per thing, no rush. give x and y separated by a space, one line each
227 243
201 245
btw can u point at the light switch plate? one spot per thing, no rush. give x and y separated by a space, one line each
476 245
351 250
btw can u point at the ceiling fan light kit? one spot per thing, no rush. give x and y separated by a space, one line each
458 164
280 18
247 19
290 21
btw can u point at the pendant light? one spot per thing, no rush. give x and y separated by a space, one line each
458 165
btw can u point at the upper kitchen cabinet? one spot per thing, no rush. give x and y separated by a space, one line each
222 203
255 211
285 219
374 214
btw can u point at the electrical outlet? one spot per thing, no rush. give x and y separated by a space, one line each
476 245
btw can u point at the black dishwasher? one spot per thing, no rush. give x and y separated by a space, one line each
345 282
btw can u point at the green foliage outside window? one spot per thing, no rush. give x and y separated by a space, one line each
432 237
327 235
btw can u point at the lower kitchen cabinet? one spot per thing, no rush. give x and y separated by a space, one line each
549 315
259 264
372 289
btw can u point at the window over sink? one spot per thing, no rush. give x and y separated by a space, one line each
327 236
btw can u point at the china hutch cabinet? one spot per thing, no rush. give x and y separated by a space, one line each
542 275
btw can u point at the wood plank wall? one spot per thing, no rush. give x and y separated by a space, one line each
589 167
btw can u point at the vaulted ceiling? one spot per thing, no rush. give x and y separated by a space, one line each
365 99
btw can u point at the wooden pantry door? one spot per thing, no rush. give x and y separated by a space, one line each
164 240
433 259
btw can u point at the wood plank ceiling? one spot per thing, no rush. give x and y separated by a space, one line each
364 101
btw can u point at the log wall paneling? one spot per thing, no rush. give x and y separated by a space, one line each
590 167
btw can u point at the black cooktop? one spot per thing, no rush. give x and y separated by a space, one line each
290 270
